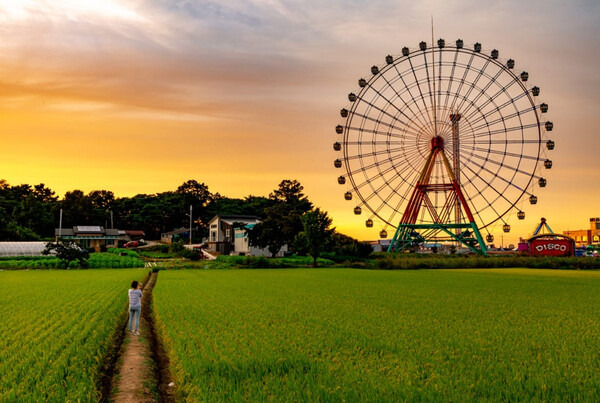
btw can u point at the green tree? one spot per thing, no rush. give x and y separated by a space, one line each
281 217
344 245
277 229
290 193
78 210
316 234
67 252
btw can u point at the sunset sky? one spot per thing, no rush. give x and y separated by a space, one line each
139 96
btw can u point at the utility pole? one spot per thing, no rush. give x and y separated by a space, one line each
190 224
59 225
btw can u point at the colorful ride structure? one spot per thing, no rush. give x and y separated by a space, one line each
545 242
442 143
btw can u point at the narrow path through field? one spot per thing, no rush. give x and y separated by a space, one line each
135 379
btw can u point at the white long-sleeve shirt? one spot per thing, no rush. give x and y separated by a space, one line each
135 298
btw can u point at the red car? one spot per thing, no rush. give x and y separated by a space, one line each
131 244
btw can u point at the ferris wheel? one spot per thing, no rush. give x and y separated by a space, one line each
443 143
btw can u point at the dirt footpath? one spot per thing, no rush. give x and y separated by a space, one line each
135 381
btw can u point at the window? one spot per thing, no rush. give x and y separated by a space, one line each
584 238
227 232
213 236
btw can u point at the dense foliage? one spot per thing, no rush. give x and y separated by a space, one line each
282 221
67 252
56 328
260 262
316 234
356 335
101 260
406 261
31 213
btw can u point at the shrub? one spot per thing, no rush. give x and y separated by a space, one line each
191 254
177 247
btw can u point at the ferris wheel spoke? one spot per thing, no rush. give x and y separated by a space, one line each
478 211
378 190
376 142
472 84
507 130
503 118
501 165
375 132
467 68
410 94
430 92
450 80
522 141
417 82
504 90
398 94
378 122
498 110
509 154
500 193
397 208
512 99
481 91
384 112
374 153
352 172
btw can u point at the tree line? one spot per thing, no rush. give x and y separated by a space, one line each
29 213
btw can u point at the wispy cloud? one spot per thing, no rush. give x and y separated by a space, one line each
266 76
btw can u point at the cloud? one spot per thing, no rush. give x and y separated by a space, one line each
265 76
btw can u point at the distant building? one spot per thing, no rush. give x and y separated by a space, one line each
584 237
227 234
381 245
89 236
177 235
127 235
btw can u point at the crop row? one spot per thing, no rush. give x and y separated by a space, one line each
96 261
55 330
404 261
355 335
256 262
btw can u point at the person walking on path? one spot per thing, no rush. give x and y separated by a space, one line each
135 307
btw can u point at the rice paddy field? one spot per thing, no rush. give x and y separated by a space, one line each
55 329
358 335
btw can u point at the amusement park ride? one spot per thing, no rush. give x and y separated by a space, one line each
441 143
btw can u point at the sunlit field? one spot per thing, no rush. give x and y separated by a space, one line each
55 328
357 335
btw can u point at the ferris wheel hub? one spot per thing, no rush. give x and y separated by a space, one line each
437 143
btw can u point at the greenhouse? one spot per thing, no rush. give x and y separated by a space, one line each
21 248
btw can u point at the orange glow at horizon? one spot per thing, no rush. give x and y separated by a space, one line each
134 97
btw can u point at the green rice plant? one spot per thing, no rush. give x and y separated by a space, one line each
56 327
408 261
255 262
123 252
364 335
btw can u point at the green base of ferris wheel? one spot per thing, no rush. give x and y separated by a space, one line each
407 237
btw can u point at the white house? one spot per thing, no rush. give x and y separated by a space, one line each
227 235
